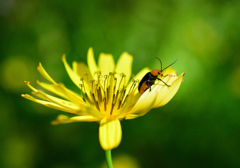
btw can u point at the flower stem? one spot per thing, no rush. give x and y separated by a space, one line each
109 159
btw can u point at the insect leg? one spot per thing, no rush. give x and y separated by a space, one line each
149 83
163 82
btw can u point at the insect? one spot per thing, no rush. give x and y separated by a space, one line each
150 77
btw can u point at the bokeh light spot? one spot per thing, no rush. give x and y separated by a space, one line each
14 71
123 161
234 81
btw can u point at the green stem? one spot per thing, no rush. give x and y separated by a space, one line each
109 159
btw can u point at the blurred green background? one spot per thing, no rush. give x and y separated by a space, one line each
199 127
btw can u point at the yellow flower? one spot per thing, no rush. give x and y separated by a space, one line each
106 96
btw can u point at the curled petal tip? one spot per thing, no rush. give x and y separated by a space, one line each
39 65
23 95
63 56
183 74
60 119
26 82
36 93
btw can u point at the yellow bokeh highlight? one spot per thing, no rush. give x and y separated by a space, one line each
19 151
14 71
123 161
234 82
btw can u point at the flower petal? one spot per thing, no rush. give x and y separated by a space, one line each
64 103
91 62
61 90
141 74
44 73
63 119
144 103
106 63
52 88
133 94
30 86
131 116
78 108
82 70
165 94
47 103
169 71
110 133
139 77
81 108
74 77
124 65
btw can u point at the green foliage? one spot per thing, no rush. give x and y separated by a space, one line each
198 128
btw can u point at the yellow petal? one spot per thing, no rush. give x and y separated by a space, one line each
131 116
81 108
139 77
51 88
165 94
74 77
84 118
92 63
169 71
110 133
124 65
30 86
133 95
82 70
68 94
85 76
61 90
144 103
44 73
78 108
63 119
47 103
58 89
106 63
58 101
141 74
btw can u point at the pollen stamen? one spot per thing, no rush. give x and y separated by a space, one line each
105 93
132 86
114 97
121 96
95 101
115 84
108 93
106 77
99 93
111 109
134 82
120 91
88 99
82 92
110 87
86 76
122 76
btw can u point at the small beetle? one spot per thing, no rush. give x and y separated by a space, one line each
150 77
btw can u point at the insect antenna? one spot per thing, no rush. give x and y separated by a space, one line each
160 63
170 65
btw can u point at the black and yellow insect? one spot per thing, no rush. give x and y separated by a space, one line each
150 77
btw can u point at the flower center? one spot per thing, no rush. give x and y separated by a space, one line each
107 92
